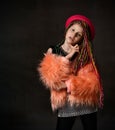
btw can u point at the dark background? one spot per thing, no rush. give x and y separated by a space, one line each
27 29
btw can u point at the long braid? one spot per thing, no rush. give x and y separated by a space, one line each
85 56
89 50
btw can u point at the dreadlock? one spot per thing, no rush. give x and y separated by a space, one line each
84 55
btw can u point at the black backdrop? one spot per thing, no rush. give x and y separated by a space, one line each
27 28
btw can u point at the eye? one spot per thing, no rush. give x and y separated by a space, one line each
73 30
78 35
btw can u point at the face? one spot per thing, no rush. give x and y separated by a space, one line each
74 34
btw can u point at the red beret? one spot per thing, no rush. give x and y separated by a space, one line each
81 18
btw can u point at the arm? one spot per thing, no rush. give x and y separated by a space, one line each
74 49
54 70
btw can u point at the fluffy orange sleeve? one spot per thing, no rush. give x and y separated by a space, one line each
54 70
84 87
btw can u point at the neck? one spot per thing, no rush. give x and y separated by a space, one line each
66 47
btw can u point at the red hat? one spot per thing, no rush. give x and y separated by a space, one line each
81 18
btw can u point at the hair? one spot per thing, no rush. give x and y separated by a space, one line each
85 54
84 25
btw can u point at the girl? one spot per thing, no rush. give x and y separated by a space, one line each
69 72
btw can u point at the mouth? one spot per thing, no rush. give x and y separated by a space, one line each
71 39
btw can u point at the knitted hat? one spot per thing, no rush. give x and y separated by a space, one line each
81 18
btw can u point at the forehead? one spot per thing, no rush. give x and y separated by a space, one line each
76 22
77 26
79 23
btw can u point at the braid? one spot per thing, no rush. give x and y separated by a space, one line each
84 56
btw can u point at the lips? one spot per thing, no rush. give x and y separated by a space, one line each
70 38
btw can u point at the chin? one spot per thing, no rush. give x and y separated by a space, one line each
73 44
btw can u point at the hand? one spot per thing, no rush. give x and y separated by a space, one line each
49 51
68 86
74 49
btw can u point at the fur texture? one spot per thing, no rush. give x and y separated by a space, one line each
58 98
54 70
84 87
56 73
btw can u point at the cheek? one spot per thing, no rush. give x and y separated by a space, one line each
77 40
67 33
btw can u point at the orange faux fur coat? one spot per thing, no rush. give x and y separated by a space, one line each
57 75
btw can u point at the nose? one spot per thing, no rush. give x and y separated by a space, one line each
73 35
